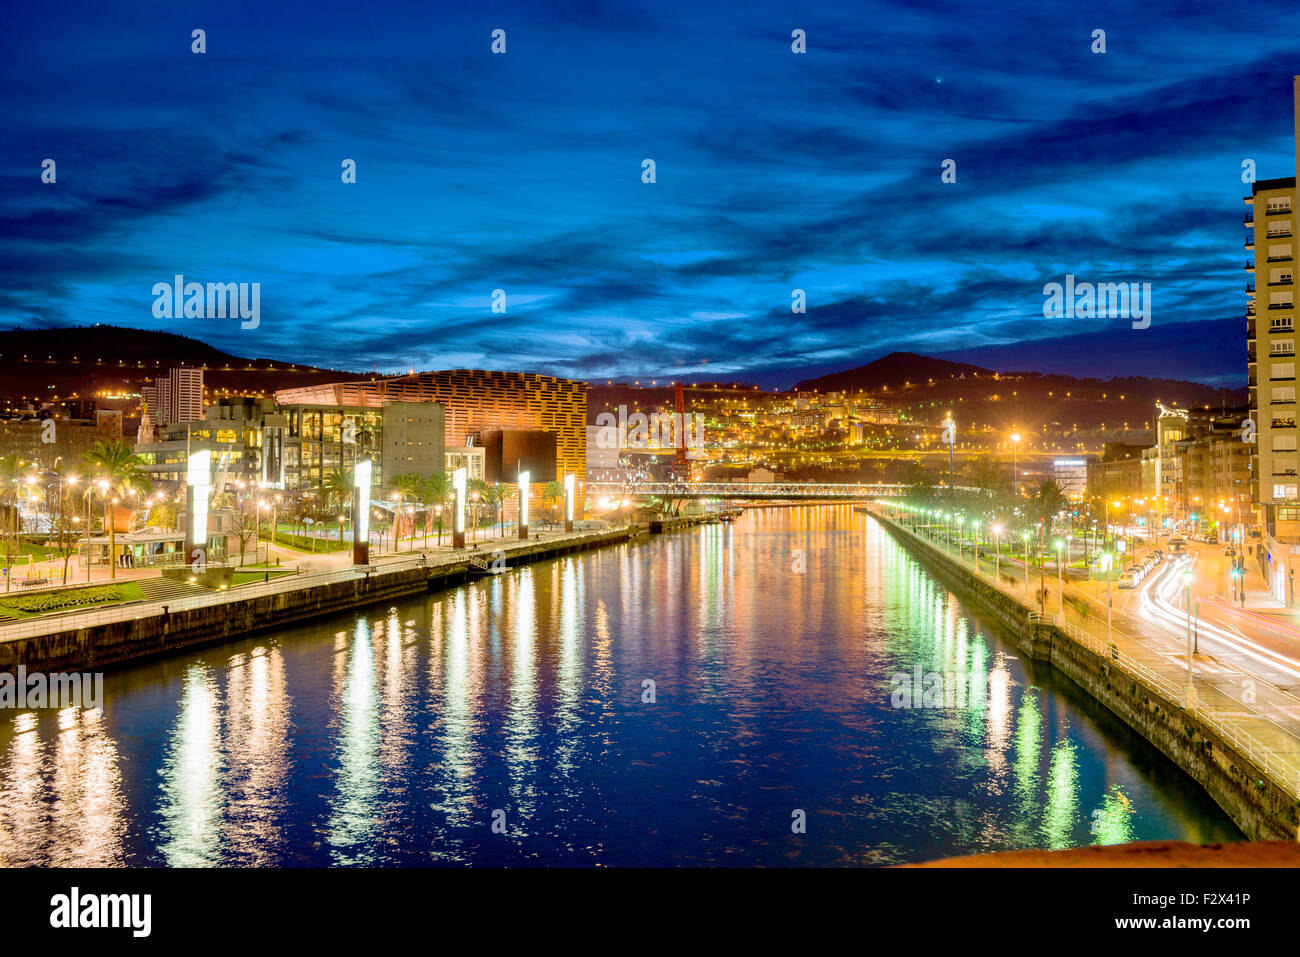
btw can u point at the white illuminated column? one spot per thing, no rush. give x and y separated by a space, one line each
459 479
361 512
523 504
198 479
568 502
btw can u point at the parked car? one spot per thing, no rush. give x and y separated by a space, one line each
1128 579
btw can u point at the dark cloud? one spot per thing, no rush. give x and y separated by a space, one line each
523 172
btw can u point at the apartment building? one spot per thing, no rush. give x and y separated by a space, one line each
1270 344
174 397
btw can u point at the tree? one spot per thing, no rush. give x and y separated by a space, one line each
243 523
1047 503
477 490
408 487
162 515
113 462
335 488
496 497
436 491
553 492
10 484
68 477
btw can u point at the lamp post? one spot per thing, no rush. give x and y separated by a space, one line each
459 479
1060 588
1015 465
997 552
103 492
1025 535
361 473
1187 594
568 501
523 504
975 544
1106 562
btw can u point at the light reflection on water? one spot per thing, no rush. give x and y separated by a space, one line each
399 736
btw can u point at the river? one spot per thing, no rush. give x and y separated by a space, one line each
731 695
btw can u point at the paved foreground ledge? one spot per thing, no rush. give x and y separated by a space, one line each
1139 854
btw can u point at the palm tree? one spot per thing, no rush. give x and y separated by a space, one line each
498 495
437 489
407 486
114 462
477 490
553 492
335 487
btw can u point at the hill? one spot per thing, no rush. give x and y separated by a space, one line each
45 364
895 369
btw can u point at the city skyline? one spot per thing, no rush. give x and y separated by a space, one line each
492 171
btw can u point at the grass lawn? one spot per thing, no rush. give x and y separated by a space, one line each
242 577
14 604
301 543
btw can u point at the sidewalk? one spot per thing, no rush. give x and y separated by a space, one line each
1273 741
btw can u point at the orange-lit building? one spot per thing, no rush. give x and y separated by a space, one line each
476 401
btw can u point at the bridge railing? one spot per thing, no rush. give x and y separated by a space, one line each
755 489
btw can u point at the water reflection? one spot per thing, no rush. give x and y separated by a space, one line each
353 823
190 799
403 734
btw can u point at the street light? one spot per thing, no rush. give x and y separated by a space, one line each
1015 450
1107 560
1187 585
1060 588
975 536
997 552
1025 536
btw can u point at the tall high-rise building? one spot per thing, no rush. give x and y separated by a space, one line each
175 397
1270 344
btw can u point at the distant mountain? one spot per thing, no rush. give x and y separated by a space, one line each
895 369
38 365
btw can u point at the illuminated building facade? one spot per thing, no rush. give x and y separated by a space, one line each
475 401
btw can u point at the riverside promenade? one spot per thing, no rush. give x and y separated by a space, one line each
1247 758
125 633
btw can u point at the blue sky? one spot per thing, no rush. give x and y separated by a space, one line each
522 172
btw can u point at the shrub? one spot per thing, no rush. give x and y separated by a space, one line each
56 600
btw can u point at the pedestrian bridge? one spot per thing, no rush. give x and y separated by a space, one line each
747 490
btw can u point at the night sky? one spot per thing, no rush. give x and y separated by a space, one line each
523 172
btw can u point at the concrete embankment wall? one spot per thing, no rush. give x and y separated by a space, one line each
1261 807
114 644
